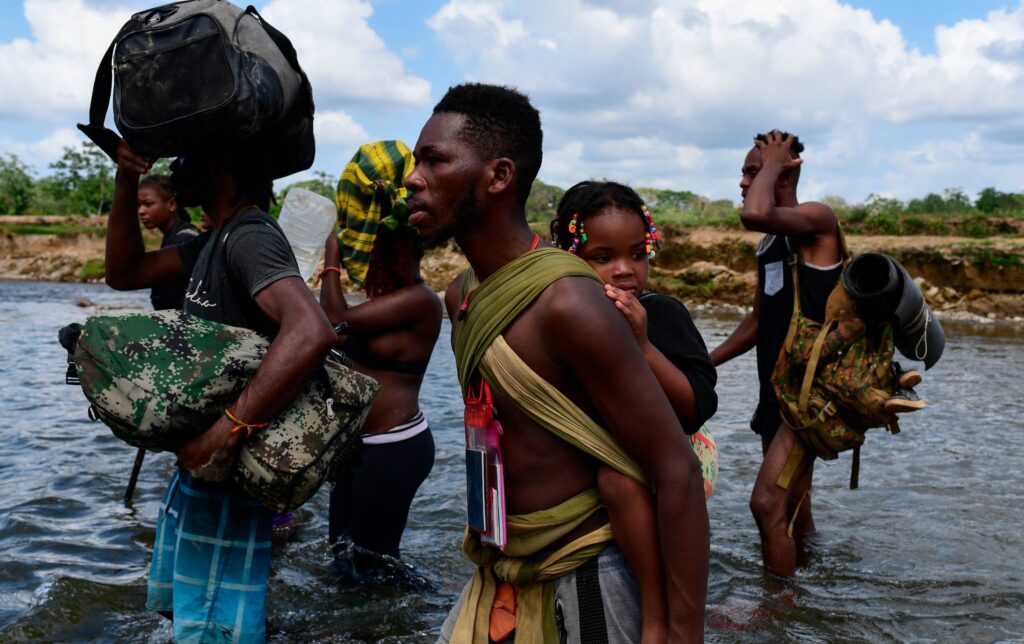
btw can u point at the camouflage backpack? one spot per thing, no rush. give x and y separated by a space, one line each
159 379
832 379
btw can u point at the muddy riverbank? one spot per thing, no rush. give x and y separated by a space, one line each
961 277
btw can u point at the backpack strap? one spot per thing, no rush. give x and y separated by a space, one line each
812 368
794 263
844 250
855 469
106 139
288 51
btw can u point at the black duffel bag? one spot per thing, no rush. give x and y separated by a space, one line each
192 74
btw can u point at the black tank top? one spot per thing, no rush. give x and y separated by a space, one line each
775 279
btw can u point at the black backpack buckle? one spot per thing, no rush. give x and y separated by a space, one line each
71 377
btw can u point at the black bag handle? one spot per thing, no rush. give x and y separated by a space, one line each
106 139
288 51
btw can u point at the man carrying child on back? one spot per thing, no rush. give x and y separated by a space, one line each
571 389
211 557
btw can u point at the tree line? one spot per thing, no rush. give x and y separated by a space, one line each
82 183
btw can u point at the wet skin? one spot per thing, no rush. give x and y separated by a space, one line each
401 325
573 337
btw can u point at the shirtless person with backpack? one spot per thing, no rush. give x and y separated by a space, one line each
771 171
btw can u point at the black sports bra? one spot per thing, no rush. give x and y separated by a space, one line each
357 348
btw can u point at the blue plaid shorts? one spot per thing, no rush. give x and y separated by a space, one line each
211 560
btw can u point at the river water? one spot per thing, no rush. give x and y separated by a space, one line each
929 549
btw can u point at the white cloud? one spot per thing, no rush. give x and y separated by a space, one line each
969 162
338 128
40 153
472 26
621 159
705 75
344 57
49 77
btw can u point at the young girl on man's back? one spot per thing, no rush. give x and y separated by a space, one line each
608 225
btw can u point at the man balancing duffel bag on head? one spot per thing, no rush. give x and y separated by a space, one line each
211 553
162 378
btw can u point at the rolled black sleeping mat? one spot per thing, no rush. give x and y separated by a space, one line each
884 291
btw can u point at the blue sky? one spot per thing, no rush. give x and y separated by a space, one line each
898 98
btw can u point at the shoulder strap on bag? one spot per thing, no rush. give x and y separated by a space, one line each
106 139
844 250
794 264
288 51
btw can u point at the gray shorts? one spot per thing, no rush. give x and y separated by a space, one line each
619 600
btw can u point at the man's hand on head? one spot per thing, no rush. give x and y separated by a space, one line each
778 151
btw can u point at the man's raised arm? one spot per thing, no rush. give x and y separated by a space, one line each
127 264
743 338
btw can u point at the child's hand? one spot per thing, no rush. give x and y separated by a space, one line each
635 313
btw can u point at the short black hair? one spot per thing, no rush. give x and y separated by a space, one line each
500 122
797 146
162 184
587 198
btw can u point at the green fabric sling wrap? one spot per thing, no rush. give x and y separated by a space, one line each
478 345
502 297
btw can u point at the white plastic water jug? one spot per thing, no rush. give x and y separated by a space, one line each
307 219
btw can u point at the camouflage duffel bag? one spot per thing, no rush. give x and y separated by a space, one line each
160 379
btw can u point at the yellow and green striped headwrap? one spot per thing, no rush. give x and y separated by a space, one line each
370 194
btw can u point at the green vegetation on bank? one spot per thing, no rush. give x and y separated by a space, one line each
82 181
92 269
61 230
948 214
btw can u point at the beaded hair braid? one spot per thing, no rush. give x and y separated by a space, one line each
651 235
579 234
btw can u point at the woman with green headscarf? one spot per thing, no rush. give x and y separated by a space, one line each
389 337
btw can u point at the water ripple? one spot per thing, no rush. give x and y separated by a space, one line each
928 549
